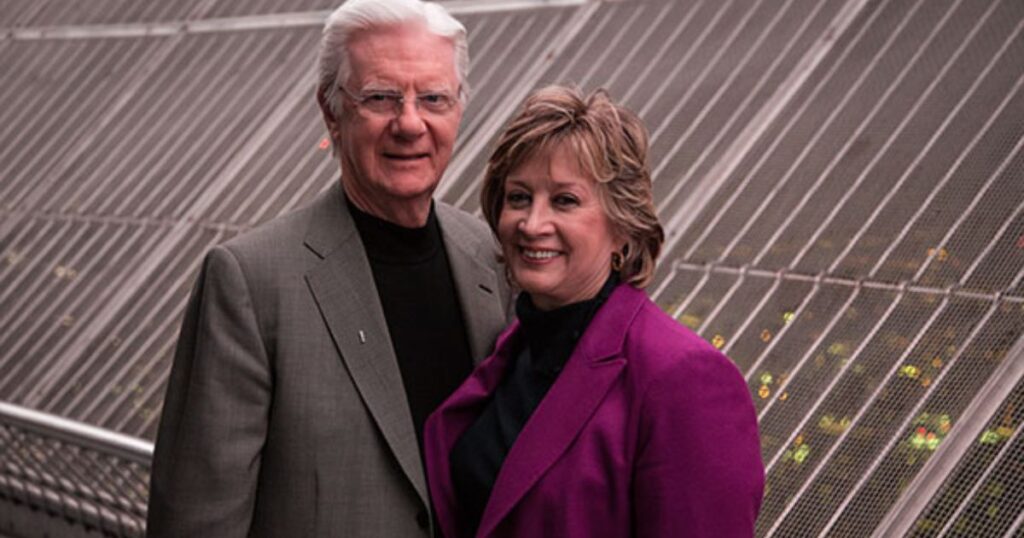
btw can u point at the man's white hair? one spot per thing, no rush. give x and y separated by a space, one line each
356 15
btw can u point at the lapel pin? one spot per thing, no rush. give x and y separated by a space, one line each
362 337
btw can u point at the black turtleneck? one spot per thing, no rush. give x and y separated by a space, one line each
548 338
414 282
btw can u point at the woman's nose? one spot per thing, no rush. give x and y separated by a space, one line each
536 221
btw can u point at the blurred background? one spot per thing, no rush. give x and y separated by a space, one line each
842 183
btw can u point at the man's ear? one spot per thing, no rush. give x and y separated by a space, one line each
329 119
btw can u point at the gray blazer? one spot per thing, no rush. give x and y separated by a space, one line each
285 412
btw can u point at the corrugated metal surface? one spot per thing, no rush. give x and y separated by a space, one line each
104 213
192 114
17 12
227 8
114 381
22 13
58 96
841 182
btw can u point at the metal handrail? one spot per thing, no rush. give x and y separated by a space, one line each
62 471
77 433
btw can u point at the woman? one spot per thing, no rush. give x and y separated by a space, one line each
598 414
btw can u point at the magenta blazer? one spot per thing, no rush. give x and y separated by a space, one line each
648 431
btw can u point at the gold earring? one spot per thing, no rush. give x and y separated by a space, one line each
617 261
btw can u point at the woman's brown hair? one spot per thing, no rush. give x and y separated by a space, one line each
610 144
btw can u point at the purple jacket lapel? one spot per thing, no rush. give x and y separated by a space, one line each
456 414
591 370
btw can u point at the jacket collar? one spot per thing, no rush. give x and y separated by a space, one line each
591 370
481 293
344 290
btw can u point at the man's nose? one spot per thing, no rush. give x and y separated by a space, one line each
409 122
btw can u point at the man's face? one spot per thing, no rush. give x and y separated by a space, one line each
392 161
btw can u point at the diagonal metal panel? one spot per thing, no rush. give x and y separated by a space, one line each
673 61
840 179
227 8
57 13
123 352
19 12
115 381
983 425
280 177
120 173
66 274
981 496
911 86
510 72
58 92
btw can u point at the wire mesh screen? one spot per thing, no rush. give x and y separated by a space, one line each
840 182
862 261
983 494
101 233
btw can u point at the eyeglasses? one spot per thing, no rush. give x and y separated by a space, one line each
390 103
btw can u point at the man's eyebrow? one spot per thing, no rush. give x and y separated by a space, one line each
380 88
440 87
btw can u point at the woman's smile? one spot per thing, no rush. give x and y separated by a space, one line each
557 239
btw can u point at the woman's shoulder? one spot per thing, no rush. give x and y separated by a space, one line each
671 369
658 346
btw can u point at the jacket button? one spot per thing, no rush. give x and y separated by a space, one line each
422 520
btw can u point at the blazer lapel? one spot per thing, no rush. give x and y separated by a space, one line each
457 413
593 367
478 288
343 288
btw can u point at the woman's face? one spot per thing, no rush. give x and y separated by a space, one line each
556 237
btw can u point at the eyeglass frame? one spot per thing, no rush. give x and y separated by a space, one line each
397 101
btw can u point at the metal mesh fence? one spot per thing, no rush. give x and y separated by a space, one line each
982 495
840 181
862 263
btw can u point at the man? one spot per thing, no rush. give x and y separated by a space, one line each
314 347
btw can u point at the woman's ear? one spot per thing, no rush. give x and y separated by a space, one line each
624 250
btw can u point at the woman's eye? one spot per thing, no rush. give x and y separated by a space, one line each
517 199
566 200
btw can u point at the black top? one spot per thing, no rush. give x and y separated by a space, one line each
550 338
414 282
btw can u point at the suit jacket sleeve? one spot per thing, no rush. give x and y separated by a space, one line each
698 470
214 420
